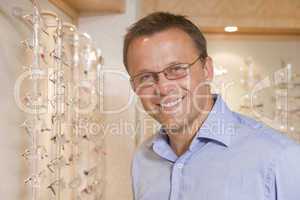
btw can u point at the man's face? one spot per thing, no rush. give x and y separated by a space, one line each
173 103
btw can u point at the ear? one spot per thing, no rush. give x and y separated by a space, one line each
208 69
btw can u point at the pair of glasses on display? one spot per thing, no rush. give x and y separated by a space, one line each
40 22
57 163
53 186
83 135
249 103
35 101
63 58
36 179
42 50
40 153
49 24
60 139
96 151
72 41
57 79
31 125
91 189
77 182
61 161
58 100
45 55
57 118
28 125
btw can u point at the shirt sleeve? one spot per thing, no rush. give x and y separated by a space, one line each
287 174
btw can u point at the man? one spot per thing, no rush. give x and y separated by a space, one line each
203 151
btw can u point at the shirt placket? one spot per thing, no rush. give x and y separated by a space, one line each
177 177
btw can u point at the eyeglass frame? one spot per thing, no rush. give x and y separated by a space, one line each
187 67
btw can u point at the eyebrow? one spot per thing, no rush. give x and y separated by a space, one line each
166 66
173 63
147 71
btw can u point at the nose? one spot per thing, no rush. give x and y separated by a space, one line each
164 86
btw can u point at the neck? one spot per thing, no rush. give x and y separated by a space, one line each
180 140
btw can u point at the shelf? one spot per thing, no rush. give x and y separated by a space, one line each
74 8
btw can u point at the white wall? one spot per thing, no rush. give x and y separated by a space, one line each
107 32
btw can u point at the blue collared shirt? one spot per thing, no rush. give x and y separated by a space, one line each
232 157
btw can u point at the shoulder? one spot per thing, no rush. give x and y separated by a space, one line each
260 136
144 151
144 159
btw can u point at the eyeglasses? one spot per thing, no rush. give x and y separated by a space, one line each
91 188
42 50
53 187
40 152
173 72
36 179
56 163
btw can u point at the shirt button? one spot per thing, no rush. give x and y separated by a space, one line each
180 166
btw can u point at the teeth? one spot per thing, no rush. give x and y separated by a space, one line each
170 104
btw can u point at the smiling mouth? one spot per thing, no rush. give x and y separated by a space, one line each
171 104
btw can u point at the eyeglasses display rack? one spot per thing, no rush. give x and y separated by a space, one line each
273 99
60 96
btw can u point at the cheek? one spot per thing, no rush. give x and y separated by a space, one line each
198 92
147 102
198 82
192 84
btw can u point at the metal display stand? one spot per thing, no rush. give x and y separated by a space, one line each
65 156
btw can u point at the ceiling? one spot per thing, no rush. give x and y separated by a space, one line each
251 16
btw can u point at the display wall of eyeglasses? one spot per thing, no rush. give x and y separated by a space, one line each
273 98
59 94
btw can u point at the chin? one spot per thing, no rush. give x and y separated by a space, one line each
173 123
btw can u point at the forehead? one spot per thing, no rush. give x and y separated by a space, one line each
160 49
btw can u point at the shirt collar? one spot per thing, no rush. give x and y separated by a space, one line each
218 127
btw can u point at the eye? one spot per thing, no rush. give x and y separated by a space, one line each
146 77
175 69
